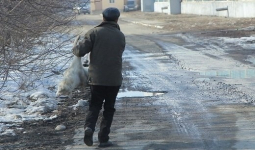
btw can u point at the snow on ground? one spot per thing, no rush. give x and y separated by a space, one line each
20 105
32 103
244 42
209 57
201 59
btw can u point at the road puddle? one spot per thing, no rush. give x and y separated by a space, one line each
122 94
228 73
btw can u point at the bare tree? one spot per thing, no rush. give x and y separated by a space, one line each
29 37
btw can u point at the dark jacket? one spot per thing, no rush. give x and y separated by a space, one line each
106 44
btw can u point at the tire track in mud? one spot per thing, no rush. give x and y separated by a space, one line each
190 99
209 55
181 91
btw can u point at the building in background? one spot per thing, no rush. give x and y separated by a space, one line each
225 8
97 6
161 6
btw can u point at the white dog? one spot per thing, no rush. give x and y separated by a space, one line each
74 76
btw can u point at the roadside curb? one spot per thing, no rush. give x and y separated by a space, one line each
144 24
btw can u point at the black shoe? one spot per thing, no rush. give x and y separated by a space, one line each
85 65
105 144
88 137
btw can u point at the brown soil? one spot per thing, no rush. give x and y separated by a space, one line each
191 23
41 134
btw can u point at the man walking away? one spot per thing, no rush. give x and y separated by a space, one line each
106 44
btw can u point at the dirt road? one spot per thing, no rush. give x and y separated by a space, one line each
195 111
173 95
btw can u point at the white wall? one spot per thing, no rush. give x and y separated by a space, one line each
159 5
236 9
173 7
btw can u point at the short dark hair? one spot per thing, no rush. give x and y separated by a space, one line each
111 14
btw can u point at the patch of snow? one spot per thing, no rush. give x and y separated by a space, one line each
18 105
8 132
244 42
42 106
80 103
60 127
137 94
39 95
251 59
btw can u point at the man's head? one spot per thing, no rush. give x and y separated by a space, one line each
111 14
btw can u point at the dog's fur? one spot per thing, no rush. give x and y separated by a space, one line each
74 76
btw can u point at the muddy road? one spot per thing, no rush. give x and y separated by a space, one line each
181 90
186 90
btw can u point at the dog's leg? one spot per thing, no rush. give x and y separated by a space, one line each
87 60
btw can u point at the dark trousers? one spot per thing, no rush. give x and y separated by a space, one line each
102 95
